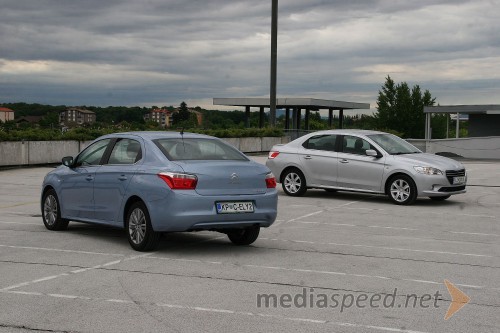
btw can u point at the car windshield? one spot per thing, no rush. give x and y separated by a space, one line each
393 144
179 149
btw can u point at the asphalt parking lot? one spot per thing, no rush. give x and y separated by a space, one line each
359 247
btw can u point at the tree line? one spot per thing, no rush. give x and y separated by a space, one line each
399 110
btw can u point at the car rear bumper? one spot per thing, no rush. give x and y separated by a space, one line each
187 211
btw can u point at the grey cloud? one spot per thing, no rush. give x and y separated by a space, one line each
143 52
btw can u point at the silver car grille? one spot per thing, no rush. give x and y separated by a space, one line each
454 173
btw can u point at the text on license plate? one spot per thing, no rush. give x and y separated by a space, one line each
234 207
458 180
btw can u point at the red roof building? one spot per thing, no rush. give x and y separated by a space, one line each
6 114
161 116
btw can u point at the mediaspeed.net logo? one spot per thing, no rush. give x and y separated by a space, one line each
309 298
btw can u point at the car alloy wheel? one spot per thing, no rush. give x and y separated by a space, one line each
137 226
141 235
50 210
402 190
294 183
51 213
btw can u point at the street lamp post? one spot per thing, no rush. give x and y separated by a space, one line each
274 56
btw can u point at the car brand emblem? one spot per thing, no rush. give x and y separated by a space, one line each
234 178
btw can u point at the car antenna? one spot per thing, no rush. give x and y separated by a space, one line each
182 137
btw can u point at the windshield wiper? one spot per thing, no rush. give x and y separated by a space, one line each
410 152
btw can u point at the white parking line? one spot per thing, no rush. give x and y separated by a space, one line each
222 311
21 223
76 271
360 275
187 260
316 213
473 233
60 250
356 225
395 228
312 271
377 247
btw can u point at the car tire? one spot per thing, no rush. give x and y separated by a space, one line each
51 212
402 190
442 198
244 236
140 233
294 183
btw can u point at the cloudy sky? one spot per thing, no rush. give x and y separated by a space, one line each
163 52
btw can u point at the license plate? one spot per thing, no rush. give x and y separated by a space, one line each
459 180
234 207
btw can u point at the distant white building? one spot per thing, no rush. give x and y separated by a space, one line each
6 114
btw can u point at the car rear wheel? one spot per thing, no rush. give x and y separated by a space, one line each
443 198
51 213
244 236
141 235
402 190
294 183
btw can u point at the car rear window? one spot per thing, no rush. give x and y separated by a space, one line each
198 149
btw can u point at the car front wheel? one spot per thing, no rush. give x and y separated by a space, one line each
51 212
294 183
402 190
244 236
141 235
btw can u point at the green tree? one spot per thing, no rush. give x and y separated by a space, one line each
51 120
401 109
181 116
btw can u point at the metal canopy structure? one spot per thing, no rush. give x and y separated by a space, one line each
487 109
296 105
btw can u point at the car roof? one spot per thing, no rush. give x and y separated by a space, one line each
349 131
153 135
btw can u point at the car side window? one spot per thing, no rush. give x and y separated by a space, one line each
355 145
321 142
125 151
92 155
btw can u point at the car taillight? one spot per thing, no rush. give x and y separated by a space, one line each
273 154
179 181
270 181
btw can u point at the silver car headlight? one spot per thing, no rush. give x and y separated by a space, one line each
427 170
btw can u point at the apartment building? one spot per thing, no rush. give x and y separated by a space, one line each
160 116
75 115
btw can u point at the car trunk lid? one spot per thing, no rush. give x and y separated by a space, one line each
227 177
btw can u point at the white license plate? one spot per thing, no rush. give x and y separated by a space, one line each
458 180
234 207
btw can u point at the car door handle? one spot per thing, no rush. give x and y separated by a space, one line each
89 178
344 161
122 177
308 157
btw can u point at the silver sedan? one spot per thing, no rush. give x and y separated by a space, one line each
365 161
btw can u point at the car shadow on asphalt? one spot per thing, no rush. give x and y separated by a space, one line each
175 242
375 198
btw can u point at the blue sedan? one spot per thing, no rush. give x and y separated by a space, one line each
154 182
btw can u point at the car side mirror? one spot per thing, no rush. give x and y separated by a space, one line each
373 153
67 161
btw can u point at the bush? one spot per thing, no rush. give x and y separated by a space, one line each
87 134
